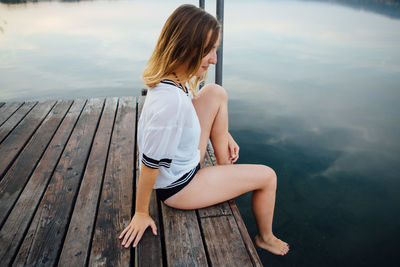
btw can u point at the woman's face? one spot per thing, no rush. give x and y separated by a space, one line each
210 58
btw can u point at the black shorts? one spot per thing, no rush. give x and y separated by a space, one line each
178 185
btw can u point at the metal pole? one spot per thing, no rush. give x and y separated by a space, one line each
201 4
220 17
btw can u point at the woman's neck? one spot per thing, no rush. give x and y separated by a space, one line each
176 76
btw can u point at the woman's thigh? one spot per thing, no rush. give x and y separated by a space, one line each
215 184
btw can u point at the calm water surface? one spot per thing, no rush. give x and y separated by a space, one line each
314 90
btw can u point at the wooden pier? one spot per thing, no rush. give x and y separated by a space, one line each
68 172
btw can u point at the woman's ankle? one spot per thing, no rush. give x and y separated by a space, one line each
266 237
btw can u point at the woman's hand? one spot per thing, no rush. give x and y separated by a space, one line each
136 228
233 149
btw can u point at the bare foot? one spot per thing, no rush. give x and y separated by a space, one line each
272 244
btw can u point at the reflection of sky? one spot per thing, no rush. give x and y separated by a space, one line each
314 91
77 49
323 68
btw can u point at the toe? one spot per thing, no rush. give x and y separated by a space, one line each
285 250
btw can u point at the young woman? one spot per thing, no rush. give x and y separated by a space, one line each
176 124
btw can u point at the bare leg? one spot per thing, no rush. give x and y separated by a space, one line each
212 109
263 204
216 184
212 185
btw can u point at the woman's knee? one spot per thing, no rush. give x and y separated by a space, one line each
269 177
217 91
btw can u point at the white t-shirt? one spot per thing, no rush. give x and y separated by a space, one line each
169 133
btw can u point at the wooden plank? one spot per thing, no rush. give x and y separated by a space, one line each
115 206
14 142
16 177
222 237
255 259
12 232
224 243
8 109
14 119
148 252
77 242
239 221
43 241
183 243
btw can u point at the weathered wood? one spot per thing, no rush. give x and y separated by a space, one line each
221 209
79 235
183 243
15 118
222 238
43 241
14 142
8 109
115 205
223 241
18 174
211 154
148 252
12 232
245 235
73 195
251 250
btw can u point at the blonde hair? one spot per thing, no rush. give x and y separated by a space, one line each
182 41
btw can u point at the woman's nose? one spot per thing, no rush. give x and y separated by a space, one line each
213 58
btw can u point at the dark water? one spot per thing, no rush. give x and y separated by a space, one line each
314 89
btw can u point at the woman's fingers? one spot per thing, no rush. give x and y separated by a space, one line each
137 239
237 148
231 150
131 238
234 151
123 232
235 159
135 230
127 235
153 227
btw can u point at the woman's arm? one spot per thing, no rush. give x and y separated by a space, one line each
141 219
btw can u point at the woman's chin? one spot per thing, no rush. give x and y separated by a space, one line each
200 73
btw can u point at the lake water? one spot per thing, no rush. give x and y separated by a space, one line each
314 92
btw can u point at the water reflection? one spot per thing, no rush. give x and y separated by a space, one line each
390 8
333 92
315 97
92 49
333 188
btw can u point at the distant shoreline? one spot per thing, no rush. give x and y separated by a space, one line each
389 8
